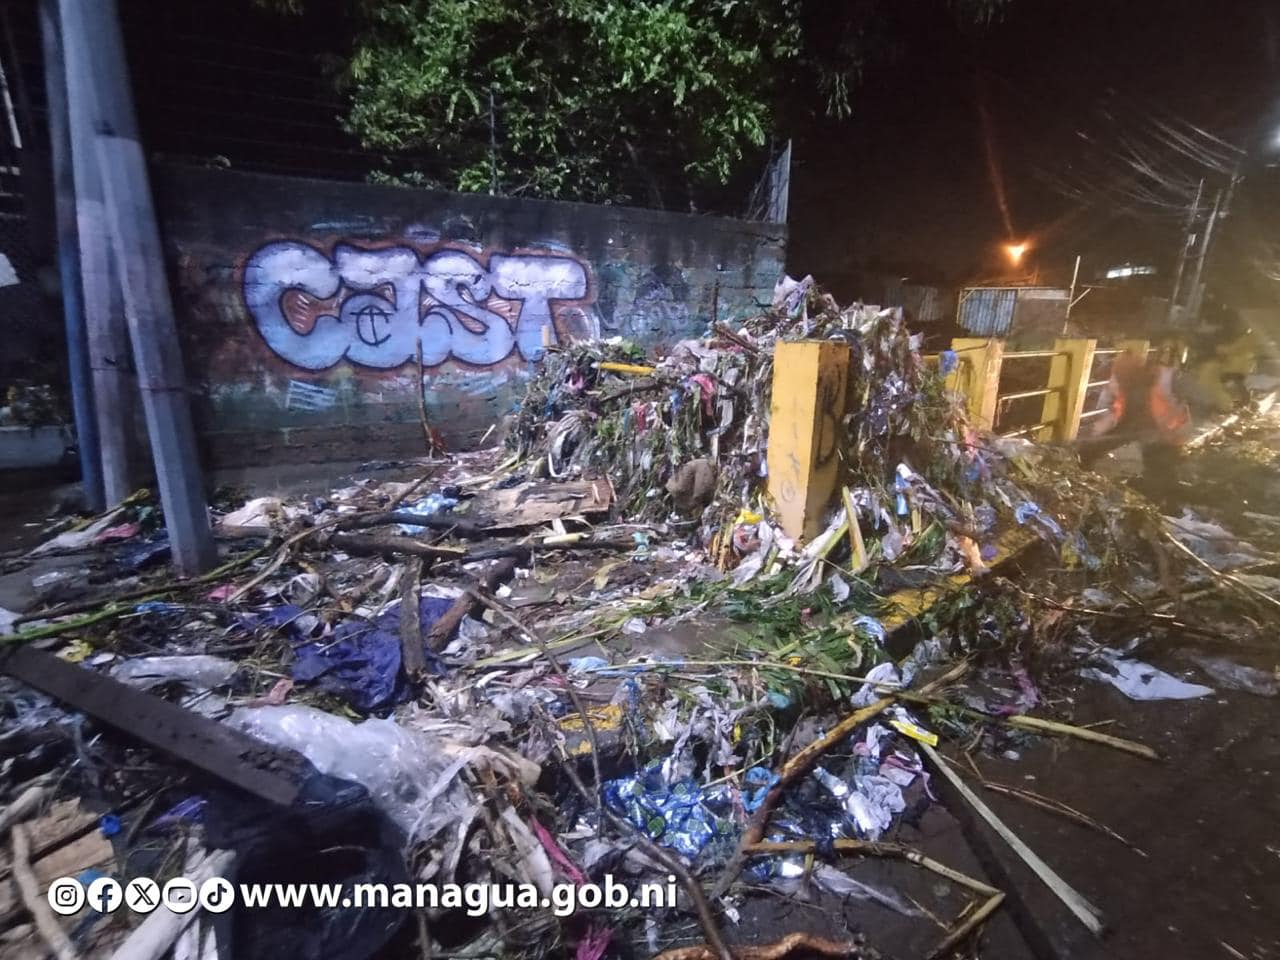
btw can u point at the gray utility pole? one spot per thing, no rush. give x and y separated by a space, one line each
1187 241
1194 296
1221 204
103 304
121 168
55 81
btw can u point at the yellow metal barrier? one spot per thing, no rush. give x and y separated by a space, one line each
810 379
1069 373
977 376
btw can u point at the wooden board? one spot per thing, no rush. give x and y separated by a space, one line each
532 504
230 755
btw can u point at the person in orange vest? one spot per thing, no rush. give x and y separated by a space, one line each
1143 406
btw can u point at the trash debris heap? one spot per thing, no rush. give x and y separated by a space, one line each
475 676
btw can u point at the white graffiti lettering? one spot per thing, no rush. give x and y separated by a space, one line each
378 307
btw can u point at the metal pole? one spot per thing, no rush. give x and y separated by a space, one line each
1182 256
55 80
1196 296
15 137
108 338
19 81
1071 295
135 238
493 148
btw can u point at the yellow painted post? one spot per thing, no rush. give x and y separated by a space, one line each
809 382
1069 374
978 377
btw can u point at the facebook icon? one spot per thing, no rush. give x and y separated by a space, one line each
105 894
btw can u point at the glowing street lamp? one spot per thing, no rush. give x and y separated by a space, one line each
1015 252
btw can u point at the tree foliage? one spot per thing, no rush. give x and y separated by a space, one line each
646 101
590 99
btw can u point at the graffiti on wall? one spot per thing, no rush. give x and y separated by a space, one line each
654 305
377 307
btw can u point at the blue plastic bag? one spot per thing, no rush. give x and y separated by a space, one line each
360 660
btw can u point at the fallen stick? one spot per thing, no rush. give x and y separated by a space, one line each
1256 595
29 889
876 848
428 433
1060 808
412 658
799 765
153 938
143 593
26 804
1082 733
1040 725
520 552
1084 911
447 524
443 629
725 331
407 492
377 546
281 556
792 942
1166 620
631 387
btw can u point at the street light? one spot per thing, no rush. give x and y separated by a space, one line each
1015 252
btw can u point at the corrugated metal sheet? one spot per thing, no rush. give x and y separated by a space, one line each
921 304
988 312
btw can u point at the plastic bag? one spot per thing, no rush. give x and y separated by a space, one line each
1141 681
1237 676
409 775
198 671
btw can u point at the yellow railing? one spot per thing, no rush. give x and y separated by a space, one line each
809 403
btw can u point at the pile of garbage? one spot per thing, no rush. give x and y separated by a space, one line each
596 660
686 438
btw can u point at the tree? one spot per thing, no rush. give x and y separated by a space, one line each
652 101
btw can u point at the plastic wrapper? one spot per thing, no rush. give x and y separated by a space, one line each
198 671
409 775
882 673
677 813
1236 676
1213 544
842 885
871 802
428 506
1141 681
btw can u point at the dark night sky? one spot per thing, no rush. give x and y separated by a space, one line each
904 186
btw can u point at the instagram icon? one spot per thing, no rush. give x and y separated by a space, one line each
66 896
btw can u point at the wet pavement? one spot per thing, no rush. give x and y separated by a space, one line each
1205 816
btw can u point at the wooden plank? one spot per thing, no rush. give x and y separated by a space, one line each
532 504
230 755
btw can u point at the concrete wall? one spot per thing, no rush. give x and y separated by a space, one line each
303 304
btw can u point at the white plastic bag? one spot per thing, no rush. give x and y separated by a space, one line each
409 775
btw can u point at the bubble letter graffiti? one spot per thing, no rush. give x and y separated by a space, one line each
377 307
